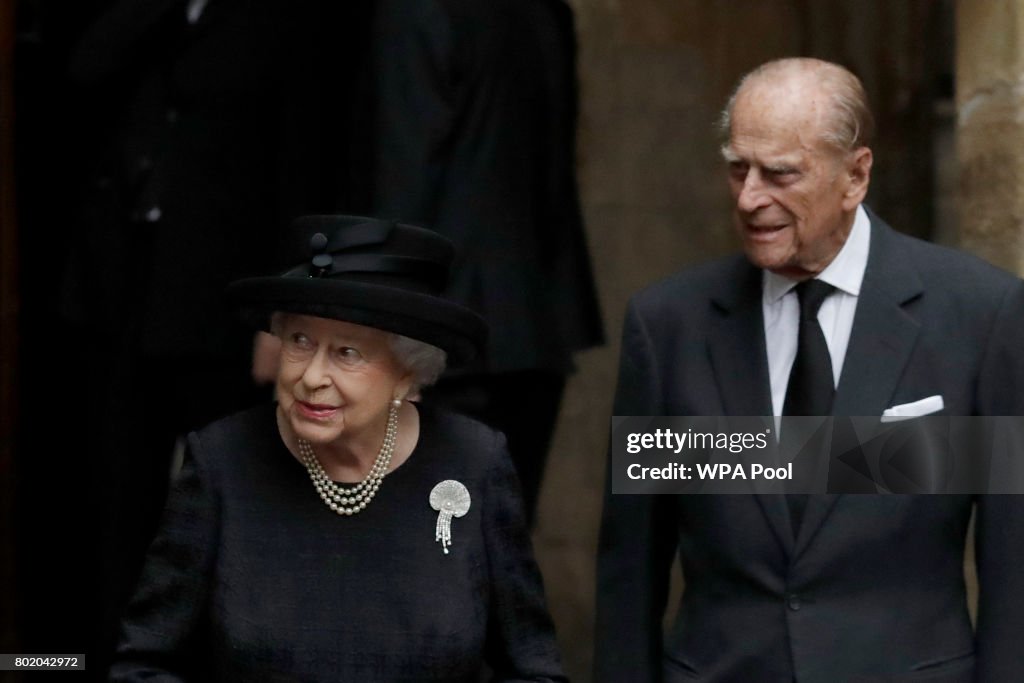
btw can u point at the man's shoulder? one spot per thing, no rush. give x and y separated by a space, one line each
948 268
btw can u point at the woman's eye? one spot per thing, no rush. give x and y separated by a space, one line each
297 342
348 354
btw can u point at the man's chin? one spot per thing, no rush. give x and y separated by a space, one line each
766 259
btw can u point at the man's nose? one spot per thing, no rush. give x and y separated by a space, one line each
752 195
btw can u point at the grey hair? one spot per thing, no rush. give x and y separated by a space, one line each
850 123
425 361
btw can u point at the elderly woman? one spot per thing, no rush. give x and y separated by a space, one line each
346 533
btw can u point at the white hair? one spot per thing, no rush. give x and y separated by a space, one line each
425 361
849 124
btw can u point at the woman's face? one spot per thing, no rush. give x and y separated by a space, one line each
336 379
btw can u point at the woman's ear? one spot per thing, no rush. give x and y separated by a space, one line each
404 386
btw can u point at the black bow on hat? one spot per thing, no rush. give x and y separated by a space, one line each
371 272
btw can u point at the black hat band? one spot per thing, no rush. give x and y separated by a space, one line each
426 276
362 235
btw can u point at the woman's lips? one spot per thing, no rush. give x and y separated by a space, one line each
316 411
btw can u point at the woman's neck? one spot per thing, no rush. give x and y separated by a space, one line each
348 458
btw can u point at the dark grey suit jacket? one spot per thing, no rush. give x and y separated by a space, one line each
872 588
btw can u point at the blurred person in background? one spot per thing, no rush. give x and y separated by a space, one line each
474 111
211 124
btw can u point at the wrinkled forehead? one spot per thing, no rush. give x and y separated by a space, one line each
796 102
777 119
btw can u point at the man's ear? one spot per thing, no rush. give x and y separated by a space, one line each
858 172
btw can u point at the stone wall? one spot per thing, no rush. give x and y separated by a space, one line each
990 129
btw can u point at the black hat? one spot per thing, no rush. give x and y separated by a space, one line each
371 272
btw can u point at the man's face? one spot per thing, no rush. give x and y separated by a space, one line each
794 195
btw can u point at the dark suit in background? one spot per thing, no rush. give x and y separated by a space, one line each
475 111
871 588
209 136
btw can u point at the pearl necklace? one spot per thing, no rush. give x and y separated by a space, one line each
351 500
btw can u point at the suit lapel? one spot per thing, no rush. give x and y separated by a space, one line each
882 340
883 333
739 361
880 345
818 508
736 346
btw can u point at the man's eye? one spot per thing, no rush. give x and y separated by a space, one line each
738 169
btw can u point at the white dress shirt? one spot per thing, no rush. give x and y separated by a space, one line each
781 309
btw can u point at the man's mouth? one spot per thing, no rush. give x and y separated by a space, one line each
760 232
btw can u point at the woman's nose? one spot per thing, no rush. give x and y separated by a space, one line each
317 372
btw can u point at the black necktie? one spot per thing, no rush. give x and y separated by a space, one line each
811 387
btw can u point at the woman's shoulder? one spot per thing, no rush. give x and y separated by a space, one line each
249 429
461 437
458 426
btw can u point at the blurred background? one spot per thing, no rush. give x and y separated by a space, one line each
946 80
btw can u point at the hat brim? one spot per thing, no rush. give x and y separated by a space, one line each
451 327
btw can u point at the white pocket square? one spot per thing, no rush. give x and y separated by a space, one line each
926 406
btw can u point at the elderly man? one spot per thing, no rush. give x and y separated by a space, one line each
829 311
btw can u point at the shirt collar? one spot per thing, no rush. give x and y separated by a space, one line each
845 273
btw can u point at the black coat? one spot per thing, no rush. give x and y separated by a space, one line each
253 578
872 588
475 110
